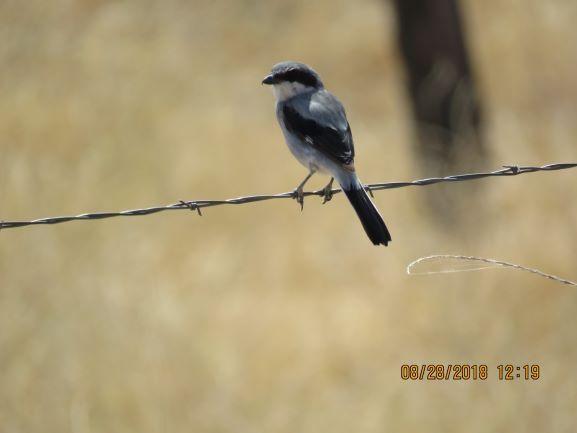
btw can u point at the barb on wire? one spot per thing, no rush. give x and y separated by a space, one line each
197 205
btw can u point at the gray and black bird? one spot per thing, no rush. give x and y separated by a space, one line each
318 134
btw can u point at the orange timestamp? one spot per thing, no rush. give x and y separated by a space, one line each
458 372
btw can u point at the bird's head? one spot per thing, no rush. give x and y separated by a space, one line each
292 78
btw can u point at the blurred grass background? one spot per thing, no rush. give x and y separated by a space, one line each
260 318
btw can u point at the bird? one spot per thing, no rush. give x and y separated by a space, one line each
317 132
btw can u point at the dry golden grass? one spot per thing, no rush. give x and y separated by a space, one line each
260 318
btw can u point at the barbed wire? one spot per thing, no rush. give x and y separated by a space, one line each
197 205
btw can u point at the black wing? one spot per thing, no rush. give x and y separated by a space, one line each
331 134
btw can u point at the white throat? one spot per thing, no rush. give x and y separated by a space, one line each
287 90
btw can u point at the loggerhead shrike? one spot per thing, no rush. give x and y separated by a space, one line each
318 134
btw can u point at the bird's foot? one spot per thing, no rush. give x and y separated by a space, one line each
299 196
328 191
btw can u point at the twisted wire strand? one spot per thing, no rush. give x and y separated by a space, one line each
197 205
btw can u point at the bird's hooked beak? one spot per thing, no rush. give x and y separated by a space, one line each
269 79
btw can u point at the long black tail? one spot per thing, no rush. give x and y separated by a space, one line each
369 215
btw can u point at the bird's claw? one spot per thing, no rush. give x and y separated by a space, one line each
299 196
327 193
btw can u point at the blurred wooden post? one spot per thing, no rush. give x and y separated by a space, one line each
445 105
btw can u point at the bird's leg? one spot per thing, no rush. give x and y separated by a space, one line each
328 191
298 192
